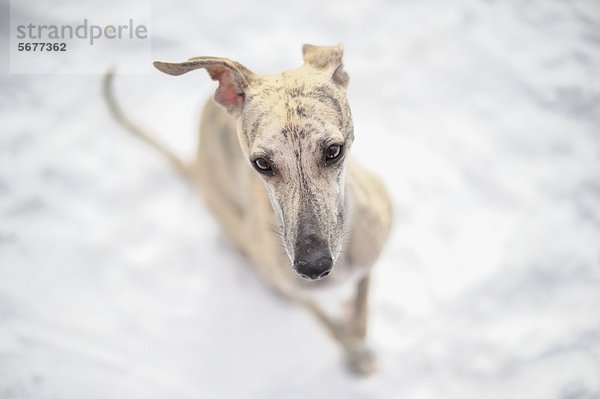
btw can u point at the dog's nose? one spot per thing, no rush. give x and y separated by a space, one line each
314 270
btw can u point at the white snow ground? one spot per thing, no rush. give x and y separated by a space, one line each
483 117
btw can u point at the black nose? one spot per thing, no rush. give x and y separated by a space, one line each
313 269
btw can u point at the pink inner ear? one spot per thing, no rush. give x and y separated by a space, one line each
340 76
227 93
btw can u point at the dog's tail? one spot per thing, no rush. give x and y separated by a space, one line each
183 167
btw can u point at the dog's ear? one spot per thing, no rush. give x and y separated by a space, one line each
233 78
327 58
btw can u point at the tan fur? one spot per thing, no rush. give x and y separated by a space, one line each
289 115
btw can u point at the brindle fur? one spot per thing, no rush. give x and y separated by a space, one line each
289 118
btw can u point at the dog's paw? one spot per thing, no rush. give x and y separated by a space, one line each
361 360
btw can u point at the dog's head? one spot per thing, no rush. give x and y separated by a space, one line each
295 129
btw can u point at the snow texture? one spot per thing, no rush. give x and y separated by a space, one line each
483 118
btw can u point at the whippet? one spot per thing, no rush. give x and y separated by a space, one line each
273 164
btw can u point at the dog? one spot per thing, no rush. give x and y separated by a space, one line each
273 164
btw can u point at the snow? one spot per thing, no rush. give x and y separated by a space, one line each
481 116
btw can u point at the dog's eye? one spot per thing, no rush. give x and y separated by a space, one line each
263 166
333 153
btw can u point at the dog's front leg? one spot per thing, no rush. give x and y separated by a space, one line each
361 309
350 331
360 358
